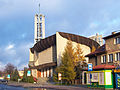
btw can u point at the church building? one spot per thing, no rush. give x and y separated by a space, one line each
46 53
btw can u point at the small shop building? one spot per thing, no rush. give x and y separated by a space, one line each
101 77
106 56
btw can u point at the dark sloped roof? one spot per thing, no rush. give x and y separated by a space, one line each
113 35
98 51
80 39
49 41
44 44
46 65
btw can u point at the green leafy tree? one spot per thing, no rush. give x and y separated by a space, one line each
25 78
1 73
55 77
15 75
30 79
67 63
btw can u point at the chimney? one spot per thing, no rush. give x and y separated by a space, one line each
113 33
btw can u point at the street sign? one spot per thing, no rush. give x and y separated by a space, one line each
28 73
90 67
8 76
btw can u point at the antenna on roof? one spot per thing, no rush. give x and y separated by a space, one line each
116 31
39 8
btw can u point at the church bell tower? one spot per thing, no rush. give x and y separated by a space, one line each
39 27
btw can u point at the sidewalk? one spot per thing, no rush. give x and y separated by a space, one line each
58 87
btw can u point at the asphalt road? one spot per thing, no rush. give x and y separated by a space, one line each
6 87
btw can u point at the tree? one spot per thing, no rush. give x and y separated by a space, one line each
9 68
80 61
1 73
15 75
25 79
67 63
79 57
93 48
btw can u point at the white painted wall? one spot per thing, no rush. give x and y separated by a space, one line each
31 56
61 44
34 73
48 72
44 72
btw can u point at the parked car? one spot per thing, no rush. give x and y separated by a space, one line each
3 81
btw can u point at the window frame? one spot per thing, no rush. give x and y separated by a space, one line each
117 40
110 58
117 56
103 59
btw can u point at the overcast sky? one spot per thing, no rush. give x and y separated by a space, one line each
82 17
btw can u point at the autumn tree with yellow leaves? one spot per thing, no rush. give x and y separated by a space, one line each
67 64
80 61
72 61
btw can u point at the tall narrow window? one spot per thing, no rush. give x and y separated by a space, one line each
117 40
103 59
110 58
117 56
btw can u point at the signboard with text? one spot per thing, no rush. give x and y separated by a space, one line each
28 73
8 76
90 67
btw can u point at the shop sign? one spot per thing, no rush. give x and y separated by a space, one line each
117 70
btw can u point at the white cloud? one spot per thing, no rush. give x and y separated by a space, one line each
10 46
9 50
18 55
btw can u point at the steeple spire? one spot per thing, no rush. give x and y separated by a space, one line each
39 8
39 29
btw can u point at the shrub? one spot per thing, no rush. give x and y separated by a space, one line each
30 79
